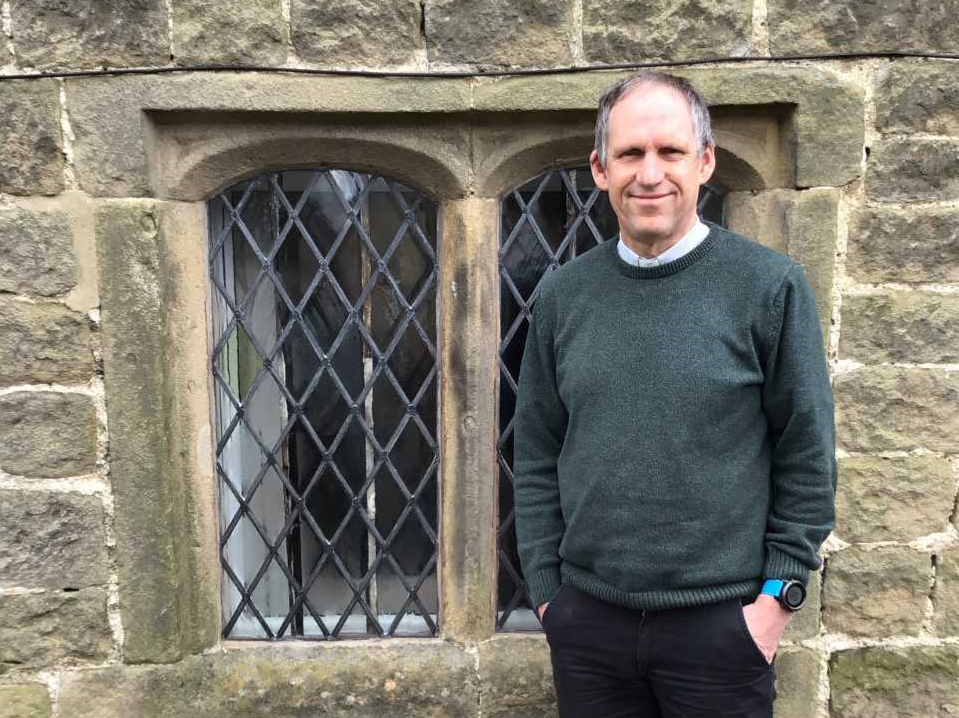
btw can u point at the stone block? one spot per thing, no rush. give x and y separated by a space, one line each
167 601
51 540
248 32
893 682
913 170
876 593
31 147
24 700
812 227
945 597
893 499
47 434
889 408
40 629
294 121
364 680
516 678
499 32
37 256
918 97
356 33
59 34
797 683
43 343
805 624
887 244
826 127
918 327
797 27
641 31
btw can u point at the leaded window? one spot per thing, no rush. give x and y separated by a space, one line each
544 223
324 364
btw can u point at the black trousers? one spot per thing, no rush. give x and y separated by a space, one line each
615 662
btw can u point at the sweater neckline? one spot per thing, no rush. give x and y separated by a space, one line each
662 270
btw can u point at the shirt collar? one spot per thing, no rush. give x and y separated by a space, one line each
687 244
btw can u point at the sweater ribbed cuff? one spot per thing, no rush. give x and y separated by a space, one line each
543 585
784 567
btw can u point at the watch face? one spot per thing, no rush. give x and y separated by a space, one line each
794 595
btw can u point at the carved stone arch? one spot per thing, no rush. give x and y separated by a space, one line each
193 160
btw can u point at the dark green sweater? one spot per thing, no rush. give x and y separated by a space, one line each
674 427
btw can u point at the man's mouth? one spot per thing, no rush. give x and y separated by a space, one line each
648 197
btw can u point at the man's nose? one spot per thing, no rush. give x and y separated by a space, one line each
650 171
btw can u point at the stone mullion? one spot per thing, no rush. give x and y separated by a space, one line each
468 291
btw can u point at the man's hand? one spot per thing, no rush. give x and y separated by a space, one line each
541 610
766 620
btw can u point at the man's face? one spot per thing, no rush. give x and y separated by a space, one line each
653 170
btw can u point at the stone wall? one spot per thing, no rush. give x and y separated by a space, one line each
108 565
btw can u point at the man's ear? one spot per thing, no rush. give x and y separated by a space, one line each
707 164
599 172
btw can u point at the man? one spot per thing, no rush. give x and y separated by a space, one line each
675 448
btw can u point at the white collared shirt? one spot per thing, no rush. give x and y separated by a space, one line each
687 244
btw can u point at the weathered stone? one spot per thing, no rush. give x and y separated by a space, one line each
38 629
797 27
900 327
43 343
638 31
31 154
919 97
945 597
24 700
47 434
297 122
516 678
797 683
805 623
760 216
913 170
812 227
876 593
247 32
894 682
466 287
499 32
363 680
51 540
167 599
889 408
63 34
894 245
356 32
826 126
36 252
893 499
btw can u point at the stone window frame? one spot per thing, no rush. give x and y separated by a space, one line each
787 147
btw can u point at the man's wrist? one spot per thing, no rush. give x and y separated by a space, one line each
789 594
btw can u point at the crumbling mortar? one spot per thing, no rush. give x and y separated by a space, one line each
881 289
759 40
577 48
66 131
926 628
53 681
169 29
6 21
838 277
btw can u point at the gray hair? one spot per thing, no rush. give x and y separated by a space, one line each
702 127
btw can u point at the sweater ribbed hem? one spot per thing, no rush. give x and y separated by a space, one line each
663 270
657 600
782 566
543 585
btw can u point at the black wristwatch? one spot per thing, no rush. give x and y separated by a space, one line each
790 594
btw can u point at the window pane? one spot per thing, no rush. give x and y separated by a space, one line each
546 222
324 367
